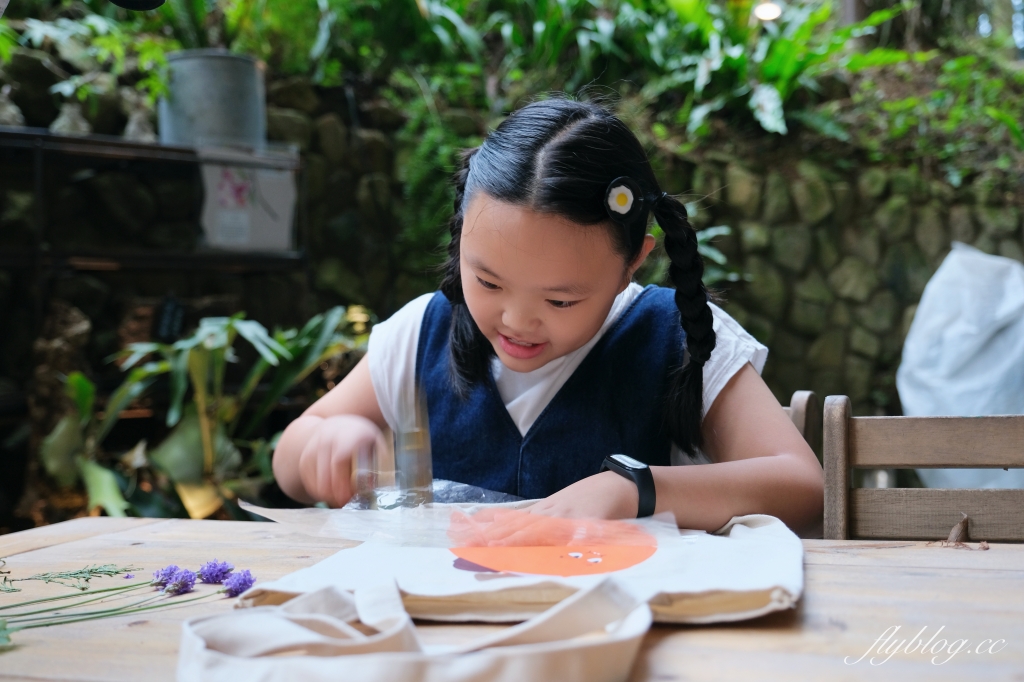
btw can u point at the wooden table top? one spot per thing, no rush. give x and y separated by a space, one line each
854 592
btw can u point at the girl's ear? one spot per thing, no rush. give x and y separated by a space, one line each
645 250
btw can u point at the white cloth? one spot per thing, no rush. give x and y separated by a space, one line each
393 344
751 566
592 636
964 353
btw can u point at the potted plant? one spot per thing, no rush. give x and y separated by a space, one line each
213 96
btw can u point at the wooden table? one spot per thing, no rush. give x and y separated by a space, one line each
854 591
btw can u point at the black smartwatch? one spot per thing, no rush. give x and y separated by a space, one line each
639 473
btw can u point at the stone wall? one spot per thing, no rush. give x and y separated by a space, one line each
837 261
350 151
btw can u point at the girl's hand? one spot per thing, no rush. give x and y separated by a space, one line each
603 496
325 464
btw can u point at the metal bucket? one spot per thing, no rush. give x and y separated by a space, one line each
214 98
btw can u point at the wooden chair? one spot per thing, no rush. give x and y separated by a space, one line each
919 442
805 411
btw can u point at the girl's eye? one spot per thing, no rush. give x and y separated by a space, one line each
563 304
486 285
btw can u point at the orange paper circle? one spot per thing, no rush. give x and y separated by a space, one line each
561 561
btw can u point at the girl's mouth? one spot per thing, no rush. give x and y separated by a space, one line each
520 349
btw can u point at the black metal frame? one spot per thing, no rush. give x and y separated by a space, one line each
47 263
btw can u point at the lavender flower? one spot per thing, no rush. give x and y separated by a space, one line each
237 583
181 582
129 576
163 575
215 571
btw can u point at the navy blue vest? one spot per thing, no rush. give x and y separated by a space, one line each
613 403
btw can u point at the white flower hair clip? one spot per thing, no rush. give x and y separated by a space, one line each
623 200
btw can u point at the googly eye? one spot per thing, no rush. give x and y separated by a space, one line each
575 555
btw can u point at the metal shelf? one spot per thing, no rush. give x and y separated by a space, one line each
48 262
109 147
151 260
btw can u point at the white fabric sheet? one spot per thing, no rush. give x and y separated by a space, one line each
750 567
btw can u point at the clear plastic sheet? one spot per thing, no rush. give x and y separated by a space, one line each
444 492
460 524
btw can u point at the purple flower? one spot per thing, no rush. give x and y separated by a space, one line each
237 583
215 571
129 576
163 575
181 582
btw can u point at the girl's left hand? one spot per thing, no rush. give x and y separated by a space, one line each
606 495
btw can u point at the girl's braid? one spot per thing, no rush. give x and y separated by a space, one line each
686 271
451 283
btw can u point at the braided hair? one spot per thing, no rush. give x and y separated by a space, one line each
560 156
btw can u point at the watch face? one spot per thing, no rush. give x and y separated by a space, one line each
628 462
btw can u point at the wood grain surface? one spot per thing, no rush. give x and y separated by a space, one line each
922 442
927 513
836 463
854 591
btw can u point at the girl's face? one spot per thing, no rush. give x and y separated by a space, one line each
537 285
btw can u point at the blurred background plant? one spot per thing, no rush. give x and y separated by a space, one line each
211 456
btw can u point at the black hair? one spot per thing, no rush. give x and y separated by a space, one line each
558 156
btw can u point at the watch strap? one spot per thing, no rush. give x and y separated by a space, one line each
644 480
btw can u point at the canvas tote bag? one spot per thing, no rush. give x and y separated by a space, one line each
330 634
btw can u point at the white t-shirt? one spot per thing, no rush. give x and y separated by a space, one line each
394 342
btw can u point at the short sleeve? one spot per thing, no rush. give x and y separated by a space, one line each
392 357
734 347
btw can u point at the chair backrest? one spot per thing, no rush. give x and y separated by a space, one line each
919 443
805 411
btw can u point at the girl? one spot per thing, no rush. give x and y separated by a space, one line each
539 357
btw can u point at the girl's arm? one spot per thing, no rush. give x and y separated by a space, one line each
313 458
761 465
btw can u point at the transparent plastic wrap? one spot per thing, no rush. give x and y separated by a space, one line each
479 523
444 492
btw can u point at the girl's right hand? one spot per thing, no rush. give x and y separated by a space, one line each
326 461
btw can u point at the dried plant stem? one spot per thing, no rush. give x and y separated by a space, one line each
114 614
54 610
79 579
30 602
61 613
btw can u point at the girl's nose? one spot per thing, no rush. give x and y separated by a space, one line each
518 318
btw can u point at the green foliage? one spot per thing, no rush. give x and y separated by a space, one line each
716 268
200 448
736 63
8 40
70 451
324 336
950 111
102 488
59 449
176 454
201 452
109 44
1012 126
210 23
